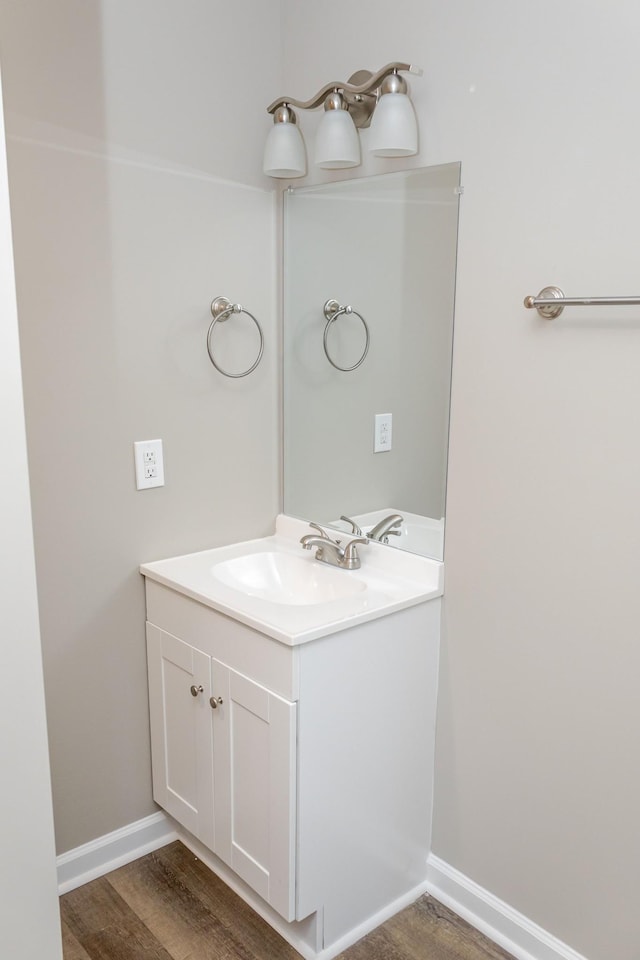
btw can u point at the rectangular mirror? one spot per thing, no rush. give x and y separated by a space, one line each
367 378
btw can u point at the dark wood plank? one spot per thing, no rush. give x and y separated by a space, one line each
71 949
426 930
91 907
178 918
250 935
378 945
106 927
125 942
451 932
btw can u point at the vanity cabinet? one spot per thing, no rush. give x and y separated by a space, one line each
305 766
224 763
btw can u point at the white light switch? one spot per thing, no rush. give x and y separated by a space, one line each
149 464
382 432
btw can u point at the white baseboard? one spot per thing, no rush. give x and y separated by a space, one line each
514 932
113 850
511 930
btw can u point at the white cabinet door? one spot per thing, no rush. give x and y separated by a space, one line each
255 786
181 734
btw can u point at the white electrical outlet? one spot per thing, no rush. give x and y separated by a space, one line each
149 464
382 432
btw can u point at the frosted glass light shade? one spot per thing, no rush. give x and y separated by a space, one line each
284 153
394 128
337 141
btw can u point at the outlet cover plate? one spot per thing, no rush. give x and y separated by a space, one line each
149 464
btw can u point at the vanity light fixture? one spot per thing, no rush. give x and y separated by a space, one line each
377 99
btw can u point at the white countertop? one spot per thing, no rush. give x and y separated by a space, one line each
392 580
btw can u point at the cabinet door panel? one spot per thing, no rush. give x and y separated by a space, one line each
181 736
255 786
249 775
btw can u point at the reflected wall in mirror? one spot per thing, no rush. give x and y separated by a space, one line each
386 247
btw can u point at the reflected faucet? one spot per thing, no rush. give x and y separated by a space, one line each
384 528
331 551
355 529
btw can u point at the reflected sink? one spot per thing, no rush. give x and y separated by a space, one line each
287 579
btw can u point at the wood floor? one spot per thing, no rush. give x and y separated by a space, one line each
169 906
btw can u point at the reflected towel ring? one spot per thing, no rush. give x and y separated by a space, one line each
221 310
333 310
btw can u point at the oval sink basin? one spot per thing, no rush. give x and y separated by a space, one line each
284 578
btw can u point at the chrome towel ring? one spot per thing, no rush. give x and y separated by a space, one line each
333 310
221 310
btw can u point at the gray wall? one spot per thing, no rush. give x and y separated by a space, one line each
137 197
537 781
30 922
537 785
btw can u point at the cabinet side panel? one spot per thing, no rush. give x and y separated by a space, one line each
366 744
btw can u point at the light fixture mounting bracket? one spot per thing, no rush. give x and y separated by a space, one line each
360 92
360 105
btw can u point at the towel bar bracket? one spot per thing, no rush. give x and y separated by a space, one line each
549 311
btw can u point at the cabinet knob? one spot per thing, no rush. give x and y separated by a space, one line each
215 702
196 690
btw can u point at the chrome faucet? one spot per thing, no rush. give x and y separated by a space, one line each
385 527
331 551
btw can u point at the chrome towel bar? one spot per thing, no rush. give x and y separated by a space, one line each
551 301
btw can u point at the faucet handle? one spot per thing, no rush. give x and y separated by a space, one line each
317 527
350 552
355 529
324 534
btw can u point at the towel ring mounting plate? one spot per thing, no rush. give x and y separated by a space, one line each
221 310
